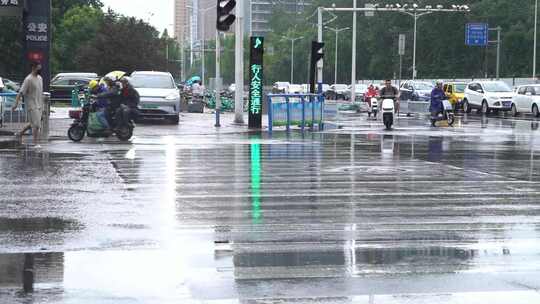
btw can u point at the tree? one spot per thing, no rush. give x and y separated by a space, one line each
122 43
11 57
78 25
441 51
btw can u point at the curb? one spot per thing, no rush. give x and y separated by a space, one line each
9 142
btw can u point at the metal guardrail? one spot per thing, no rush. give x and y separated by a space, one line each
6 114
414 107
291 109
15 120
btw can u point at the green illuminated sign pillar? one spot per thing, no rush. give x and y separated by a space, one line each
256 82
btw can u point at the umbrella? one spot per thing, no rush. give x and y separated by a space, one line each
193 79
116 74
113 75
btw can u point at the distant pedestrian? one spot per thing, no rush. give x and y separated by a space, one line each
197 89
32 91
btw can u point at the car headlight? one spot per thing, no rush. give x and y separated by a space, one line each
172 97
494 98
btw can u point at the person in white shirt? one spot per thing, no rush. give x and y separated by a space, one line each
32 91
197 89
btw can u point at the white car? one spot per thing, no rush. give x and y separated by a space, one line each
337 91
295 89
281 87
160 98
487 96
360 89
526 100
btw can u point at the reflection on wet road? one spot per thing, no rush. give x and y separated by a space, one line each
350 215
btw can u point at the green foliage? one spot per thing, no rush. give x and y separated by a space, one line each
11 51
79 25
122 43
441 51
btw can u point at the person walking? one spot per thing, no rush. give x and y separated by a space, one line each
32 91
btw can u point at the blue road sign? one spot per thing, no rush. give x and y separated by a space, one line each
476 34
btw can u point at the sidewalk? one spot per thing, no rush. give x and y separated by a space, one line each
7 140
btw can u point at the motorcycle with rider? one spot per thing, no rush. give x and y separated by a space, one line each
112 109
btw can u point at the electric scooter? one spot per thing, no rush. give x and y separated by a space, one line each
373 107
388 112
446 114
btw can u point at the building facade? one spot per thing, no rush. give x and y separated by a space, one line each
182 20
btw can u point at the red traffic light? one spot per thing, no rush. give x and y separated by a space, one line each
35 56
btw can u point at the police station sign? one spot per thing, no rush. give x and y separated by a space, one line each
37 30
37 35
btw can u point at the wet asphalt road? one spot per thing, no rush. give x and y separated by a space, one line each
349 215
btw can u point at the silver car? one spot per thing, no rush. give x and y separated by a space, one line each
160 98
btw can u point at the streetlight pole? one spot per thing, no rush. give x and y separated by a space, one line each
336 31
535 39
203 12
292 54
416 16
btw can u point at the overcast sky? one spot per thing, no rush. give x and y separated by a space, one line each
160 13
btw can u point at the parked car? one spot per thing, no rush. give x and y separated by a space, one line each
11 85
75 75
360 89
160 98
325 88
63 84
455 91
487 96
280 87
337 91
416 90
526 100
295 89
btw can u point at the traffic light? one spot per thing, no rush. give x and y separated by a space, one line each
316 55
225 17
316 51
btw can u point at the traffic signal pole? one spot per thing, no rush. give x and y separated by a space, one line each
239 65
224 19
319 39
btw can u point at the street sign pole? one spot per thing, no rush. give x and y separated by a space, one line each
401 52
